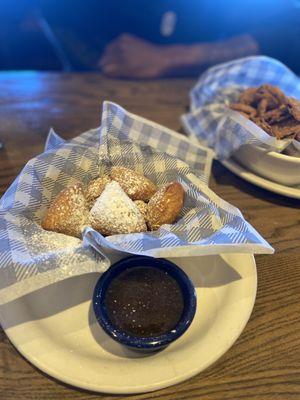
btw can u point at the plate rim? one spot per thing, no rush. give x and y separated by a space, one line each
147 388
237 169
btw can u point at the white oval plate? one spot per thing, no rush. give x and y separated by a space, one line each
288 191
55 329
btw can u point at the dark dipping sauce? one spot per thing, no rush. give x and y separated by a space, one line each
144 302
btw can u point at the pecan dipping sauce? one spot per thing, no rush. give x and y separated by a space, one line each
144 302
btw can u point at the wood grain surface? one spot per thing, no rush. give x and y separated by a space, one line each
265 361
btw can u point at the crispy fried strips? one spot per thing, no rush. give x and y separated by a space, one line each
271 110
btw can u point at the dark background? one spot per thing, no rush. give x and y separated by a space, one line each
72 34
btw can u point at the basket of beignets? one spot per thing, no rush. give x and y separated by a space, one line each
123 201
131 186
143 200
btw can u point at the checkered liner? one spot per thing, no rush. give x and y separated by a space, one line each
208 225
210 120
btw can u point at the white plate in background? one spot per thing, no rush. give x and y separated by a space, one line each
277 167
239 170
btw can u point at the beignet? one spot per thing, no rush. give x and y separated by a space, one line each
165 206
114 212
68 213
137 186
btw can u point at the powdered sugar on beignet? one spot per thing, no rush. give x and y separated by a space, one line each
165 206
143 207
137 186
68 213
115 213
95 188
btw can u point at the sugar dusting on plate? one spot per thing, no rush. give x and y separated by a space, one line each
44 242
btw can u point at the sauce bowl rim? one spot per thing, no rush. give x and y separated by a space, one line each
152 342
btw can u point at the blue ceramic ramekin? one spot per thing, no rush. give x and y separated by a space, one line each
145 343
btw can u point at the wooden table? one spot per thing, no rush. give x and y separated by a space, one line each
265 361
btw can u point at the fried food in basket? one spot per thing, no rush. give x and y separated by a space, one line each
136 185
165 206
68 213
268 107
95 188
114 212
114 204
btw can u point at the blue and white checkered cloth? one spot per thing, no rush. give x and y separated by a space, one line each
212 123
208 225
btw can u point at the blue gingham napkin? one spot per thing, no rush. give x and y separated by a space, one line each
31 258
212 123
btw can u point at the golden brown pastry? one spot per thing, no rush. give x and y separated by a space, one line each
165 206
114 212
95 188
143 207
137 186
68 213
